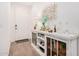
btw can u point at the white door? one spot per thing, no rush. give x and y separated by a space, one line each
22 17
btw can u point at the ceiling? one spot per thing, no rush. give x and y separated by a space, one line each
28 3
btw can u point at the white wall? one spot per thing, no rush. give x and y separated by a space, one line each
12 23
4 28
68 17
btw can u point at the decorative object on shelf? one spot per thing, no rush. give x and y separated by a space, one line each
44 21
50 31
55 28
35 26
38 25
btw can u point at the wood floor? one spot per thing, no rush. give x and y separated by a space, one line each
22 49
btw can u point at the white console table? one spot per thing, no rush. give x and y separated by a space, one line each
55 44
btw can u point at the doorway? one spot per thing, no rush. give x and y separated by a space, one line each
21 16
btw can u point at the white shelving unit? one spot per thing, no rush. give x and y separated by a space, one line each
41 38
55 44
